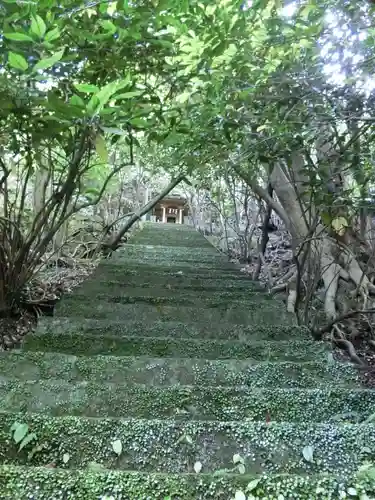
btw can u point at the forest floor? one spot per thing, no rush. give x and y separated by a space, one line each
41 295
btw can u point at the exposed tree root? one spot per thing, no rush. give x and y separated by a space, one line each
318 333
346 344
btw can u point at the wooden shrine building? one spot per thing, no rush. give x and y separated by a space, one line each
171 209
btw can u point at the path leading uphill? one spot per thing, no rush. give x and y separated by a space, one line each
170 375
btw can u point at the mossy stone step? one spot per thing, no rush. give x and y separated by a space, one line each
59 398
253 312
157 251
174 446
168 263
165 372
109 271
215 260
93 288
175 283
22 483
176 254
158 296
188 240
125 345
60 325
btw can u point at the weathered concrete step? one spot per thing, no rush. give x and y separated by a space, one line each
158 296
176 371
222 331
94 289
253 312
176 254
174 446
167 263
192 240
148 273
125 345
22 483
59 398
176 283
214 260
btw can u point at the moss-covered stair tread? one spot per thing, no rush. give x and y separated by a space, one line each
171 352
174 329
58 397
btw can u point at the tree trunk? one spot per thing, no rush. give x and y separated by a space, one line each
330 255
114 243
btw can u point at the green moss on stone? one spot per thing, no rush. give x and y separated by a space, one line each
221 331
159 445
58 398
171 371
44 484
252 312
121 345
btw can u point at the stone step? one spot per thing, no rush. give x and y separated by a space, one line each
222 331
21 483
125 345
93 288
163 372
175 283
147 273
159 296
170 264
191 240
178 254
174 446
60 397
252 312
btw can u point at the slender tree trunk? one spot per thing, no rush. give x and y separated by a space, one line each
113 244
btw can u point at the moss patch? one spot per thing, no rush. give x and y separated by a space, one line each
221 331
172 371
252 312
174 447
120 345
22 483
59 397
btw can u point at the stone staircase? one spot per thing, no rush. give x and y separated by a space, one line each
170 375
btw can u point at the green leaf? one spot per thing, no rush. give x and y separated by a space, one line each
139 123
253 484
101 98
239 495
117 446
241 468
14 426
101 148
52 35
86 87
370 419
308 453
77 101
18 37
20 432
237 459
38 26
48 62
197 467
30 437
129 95
17 61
